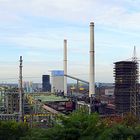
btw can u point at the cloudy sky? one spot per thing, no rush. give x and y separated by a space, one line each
36 29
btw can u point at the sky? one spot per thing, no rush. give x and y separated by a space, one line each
35 29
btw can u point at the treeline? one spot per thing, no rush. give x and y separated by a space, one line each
78 126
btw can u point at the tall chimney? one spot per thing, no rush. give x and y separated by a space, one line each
20 91
65 67
92 65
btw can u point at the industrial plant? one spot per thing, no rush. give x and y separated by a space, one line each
41 104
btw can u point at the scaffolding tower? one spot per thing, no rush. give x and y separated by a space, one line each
126 87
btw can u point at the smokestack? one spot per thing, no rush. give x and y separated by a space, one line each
20 90
92 65
65 66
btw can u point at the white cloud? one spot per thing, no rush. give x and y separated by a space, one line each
104 12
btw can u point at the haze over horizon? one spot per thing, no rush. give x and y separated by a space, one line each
36 29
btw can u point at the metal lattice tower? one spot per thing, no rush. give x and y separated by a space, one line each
134 95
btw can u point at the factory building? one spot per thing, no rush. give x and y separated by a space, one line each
126 87
46 86
11 102
57 81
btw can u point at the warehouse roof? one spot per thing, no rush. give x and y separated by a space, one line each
50 98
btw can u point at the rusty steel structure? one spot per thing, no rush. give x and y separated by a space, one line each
126 75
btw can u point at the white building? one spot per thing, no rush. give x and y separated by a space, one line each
109 91
57 81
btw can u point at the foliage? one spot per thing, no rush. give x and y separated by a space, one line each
10 130
130 120
77 126
35 134
111 121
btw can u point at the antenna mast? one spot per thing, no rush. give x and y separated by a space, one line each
134 58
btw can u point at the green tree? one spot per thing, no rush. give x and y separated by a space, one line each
79 125
10 130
